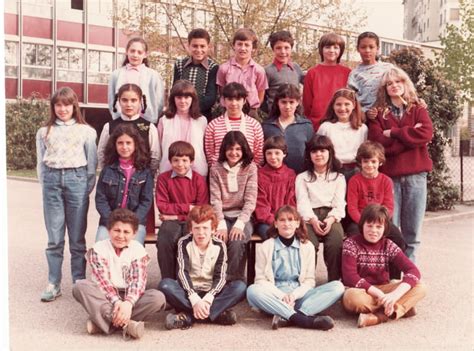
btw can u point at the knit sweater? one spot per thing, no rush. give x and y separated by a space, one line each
365 264
406 150
276 187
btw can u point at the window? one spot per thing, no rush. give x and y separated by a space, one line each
11 59
100 66
70 65
77 4
37 60
454 14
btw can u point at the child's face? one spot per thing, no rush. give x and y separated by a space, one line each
331 53
130 103
343 108
373 231
288 107
121 234
320 158
282 51
286 225
198 49
368 50
370 167
125 146
233 154
234 106
136 54
243 50
183 103
202 232
63 111
274 157
181 165
395 87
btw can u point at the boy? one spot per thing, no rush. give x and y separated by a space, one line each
282 70
116 296
244 70
199 69
276 184
201 291
177 191
324 79
366 260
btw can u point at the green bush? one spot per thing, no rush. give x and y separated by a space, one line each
23 119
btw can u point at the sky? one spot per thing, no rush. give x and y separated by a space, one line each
384 17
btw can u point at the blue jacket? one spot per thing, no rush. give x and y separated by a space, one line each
296 135
110 187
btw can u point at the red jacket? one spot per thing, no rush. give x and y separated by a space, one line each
406 150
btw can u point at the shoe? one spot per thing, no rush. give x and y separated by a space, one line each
51 293
178 321
369 319
228 317
278 322
92 328
323 323
410 313
134 329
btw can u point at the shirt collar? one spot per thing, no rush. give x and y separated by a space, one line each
67 123
233 62
130 67
189 174
280 65
279 245
137 116
204 63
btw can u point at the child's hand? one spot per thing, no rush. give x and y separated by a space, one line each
387 133
388 302
165 217
221 234
236 234
122 313
371 113
317 226
329 221
418 125
289 299
201 310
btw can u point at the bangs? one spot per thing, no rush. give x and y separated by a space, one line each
65 99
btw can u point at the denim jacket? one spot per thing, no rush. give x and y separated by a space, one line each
110 187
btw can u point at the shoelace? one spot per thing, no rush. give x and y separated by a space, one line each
182 322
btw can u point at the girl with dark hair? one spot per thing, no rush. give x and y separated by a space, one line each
135 69
233 188
320 193
125 181
285 276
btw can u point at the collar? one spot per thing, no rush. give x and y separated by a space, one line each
204 63
137 116
298 119
233 62
234 169
279 245
280 65
130 67
189 174
280 170
67 123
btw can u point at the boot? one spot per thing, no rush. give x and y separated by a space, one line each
369 319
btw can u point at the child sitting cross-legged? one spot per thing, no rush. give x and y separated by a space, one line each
115 298
366 261
201 291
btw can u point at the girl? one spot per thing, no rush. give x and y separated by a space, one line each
320 193
66 154
285 276
130 98
366 261
135 69
233 188
404 128
285 120
125 181
184 122
365 78
234 97
344 125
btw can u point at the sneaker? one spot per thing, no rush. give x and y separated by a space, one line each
51 293
323 323
178 321
134 329
278 322
92 328
228 317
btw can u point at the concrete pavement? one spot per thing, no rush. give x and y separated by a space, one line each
444 320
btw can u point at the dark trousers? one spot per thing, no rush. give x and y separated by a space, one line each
167 244
237 251
232 293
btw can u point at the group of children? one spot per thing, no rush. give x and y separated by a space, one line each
290 179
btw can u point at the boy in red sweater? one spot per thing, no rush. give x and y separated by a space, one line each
276 184
366 260
177 192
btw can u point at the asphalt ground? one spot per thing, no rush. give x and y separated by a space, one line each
444 320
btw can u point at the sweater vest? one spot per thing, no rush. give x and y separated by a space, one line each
142 125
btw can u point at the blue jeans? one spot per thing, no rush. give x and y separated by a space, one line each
266 298
232 293
261 229
65 205
410 194
103 234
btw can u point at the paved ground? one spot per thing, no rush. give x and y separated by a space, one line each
444 321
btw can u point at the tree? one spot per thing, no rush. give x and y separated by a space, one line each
444 107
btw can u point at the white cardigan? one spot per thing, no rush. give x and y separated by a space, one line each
264 271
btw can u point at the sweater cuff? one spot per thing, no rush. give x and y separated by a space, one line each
194 299
410 279
209 298
222 225
239 224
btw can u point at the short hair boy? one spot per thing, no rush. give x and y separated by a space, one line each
243 69
282 70
201 291
177 191
276 184
366 261
116 298
199 69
